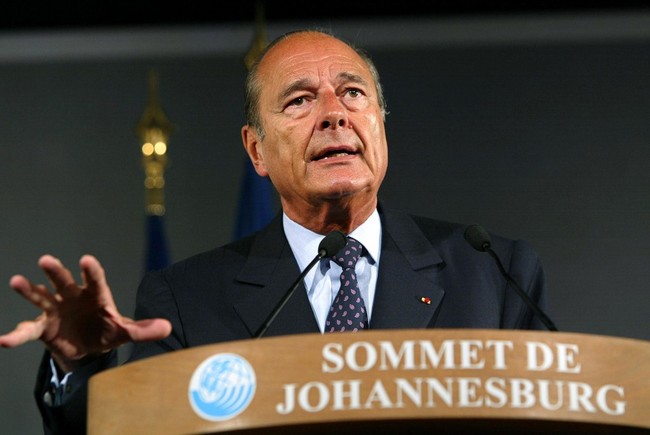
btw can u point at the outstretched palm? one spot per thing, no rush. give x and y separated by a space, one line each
77 320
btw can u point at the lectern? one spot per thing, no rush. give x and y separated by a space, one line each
404 381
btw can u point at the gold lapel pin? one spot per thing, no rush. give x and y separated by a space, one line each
425 300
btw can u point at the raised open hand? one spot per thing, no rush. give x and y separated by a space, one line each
78 320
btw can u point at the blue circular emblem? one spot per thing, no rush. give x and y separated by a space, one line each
222 387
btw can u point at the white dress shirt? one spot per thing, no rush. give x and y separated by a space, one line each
322 283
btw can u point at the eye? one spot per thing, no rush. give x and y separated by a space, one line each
297 101
354 93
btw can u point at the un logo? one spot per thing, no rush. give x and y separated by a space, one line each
222 387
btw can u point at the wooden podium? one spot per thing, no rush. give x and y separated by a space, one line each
385 381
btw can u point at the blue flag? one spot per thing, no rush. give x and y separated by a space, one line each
255 207
157 252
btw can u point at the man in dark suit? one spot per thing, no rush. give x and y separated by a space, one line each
315 126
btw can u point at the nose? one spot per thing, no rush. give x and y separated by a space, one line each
335 122
333 114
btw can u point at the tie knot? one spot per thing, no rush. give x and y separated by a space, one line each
349 255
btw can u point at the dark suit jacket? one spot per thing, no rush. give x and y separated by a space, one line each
227 293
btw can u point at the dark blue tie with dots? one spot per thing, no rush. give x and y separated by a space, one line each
348 311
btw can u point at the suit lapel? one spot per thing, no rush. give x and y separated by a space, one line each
269 272
408 291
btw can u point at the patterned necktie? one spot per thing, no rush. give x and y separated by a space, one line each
348 311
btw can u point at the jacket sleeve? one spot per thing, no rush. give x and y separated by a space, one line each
64 407
525 267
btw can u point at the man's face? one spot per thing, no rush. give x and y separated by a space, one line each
324 130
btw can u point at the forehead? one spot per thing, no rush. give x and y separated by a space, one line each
311 53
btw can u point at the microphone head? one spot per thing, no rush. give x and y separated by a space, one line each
331 244
478 237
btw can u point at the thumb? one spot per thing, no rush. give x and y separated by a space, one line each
148 329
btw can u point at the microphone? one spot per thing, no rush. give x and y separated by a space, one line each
481 241
330 245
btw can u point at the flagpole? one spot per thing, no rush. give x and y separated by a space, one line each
154 129
255 208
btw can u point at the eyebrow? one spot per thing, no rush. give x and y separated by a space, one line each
294 86
351 78
343 77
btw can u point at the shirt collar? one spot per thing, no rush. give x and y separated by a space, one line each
304 242
369 234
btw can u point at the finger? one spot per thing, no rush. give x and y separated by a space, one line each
24 332
148 329
94 278
60 277
38 295
145 329
92 271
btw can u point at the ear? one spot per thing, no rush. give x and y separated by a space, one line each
253 146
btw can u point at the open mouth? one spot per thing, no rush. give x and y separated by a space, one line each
334 153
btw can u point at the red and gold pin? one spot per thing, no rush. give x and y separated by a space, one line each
425 300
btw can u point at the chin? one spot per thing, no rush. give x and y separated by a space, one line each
345 190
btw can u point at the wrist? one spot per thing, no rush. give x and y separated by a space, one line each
67 365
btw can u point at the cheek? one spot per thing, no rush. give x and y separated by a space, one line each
376 138
290 142
278 159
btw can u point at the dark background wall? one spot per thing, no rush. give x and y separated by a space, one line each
534 125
